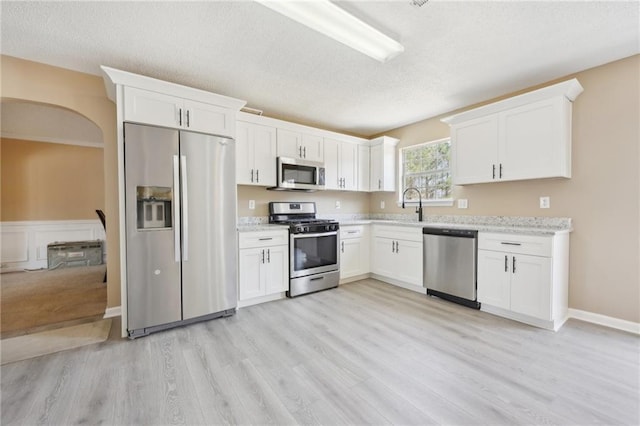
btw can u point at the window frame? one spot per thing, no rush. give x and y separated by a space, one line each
447 202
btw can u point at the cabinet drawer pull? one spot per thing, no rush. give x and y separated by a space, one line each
352 232
265 239
510 244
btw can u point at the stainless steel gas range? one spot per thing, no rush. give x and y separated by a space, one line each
314 257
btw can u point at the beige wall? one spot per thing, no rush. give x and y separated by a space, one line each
50 181
602 196
86 95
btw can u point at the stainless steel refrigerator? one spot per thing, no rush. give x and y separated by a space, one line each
180 204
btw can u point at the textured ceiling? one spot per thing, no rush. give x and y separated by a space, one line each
456 53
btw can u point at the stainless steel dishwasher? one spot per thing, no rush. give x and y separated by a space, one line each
450 264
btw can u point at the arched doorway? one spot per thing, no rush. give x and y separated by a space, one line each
52 184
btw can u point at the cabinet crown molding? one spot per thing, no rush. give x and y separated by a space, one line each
113 77
570 89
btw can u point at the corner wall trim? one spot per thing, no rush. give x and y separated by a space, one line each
619 324
116 311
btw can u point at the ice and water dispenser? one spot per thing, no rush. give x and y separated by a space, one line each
154 207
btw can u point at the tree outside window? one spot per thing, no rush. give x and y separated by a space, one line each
426 166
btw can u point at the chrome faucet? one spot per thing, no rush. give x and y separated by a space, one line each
419 209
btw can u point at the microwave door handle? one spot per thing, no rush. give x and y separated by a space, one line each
185 208
176 208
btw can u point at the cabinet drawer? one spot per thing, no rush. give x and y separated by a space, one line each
348 232
263 238
399 232
534 245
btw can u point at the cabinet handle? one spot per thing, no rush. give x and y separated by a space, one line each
268 255
265 239
506 264
342 246
513 267
262 260
179 116
352 232
500 170
393 246
397 247
510 244
187 118
379 183
304 150
252 175
493 175
300 151
257 175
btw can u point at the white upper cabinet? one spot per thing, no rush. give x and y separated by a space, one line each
341 163
148 107
299 145
364 152
255 154
383 164
525 137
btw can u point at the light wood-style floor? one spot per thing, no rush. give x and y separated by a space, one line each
365 353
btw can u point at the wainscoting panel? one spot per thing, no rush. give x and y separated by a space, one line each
24 244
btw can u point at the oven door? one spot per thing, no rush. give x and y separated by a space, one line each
313 253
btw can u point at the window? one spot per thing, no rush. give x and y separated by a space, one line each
426 167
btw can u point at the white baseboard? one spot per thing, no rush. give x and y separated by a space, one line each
116 311
619 324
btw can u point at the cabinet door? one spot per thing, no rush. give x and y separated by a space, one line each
350 257
251 281
207 118
474 150
289 144
276 269
531 285
377 164
383 257
312 148
533 142
245 173
144 106
348 165
494 278
363 168
331 161
408 262
264 155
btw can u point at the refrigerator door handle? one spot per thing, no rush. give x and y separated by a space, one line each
176 209
185 208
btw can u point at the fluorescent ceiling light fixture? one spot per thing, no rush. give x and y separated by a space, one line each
330 20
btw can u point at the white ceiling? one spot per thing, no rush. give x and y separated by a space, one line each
457 53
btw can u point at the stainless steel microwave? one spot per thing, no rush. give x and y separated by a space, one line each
302 175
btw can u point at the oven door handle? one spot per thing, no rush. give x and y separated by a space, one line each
317 234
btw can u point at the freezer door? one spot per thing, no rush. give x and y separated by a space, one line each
152 226
209 224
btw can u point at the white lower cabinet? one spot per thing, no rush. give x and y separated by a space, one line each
524 277
354 251
263 266
397 255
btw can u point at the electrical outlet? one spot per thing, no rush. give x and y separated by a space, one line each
252 204
463 203
338 205
382 204
545 202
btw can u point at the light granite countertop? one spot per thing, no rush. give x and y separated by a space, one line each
502 224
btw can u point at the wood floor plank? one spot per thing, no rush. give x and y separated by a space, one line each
364 353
